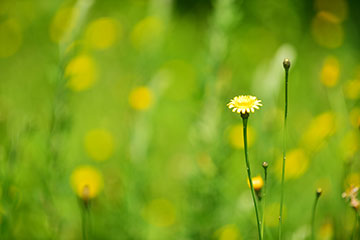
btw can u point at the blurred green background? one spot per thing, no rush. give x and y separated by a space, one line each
129 98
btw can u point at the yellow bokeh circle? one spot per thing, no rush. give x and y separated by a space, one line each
330 71
102 33
99 144
236 138
61 23
297 162
160 212
146 32
81 72
228 232
321 127
141 98
352 89
86 181
327 31
10 38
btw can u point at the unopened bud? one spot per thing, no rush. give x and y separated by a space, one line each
318 192
265 165
286 63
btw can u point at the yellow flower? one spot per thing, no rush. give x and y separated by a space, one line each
244 104
87 182
257 182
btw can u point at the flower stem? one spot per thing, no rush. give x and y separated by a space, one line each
265 165
353 235
286 65
85 222
318 194
245 119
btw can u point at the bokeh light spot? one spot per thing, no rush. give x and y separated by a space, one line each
355 117
350 144
86 178
99 144
330 71
61 24
338 8
352 89
102 33
297 163
236 136
146 32
10 38
228 232
81 72
160 212
141 98
327 31
321 127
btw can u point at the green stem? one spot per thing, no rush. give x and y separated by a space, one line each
245 119
353 235
313 218
284 151
85 222
263 202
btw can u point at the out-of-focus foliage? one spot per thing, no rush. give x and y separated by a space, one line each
123 104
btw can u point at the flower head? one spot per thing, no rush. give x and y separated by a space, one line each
257 182
87 182
244 104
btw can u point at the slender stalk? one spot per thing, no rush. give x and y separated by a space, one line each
85 220
245 119
265 166
286 65
353 235
318 194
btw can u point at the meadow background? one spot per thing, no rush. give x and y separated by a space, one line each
130 98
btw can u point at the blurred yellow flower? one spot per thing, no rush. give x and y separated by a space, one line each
102 33
297 163
321 127
350 144
326 30
228 232
99 144
87 182
235 136
352 179
330 72
338 8
160 212
60 24
244 104
355 117
10 37
82 73
141 98
146 32
257 182
326 231
352 89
